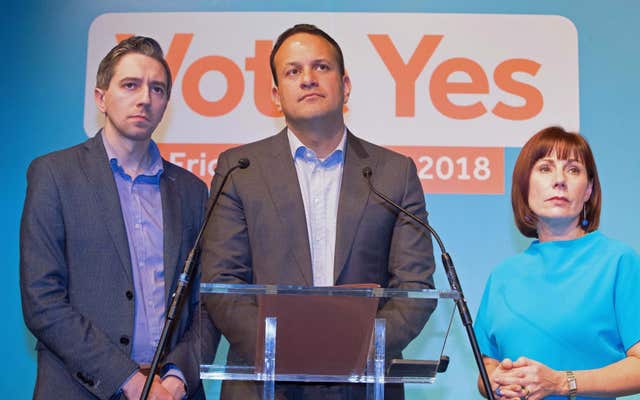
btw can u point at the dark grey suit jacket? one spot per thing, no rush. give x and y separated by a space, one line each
260 236
75 272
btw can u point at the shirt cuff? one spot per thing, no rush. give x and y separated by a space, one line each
172 370
121 389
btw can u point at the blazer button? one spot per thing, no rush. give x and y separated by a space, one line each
124 340
129 294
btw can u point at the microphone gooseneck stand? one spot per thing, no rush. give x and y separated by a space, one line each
183 283
452 276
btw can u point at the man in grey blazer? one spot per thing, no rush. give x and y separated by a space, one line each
105 230
303 214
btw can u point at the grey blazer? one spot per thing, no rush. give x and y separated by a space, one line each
259 236
75 273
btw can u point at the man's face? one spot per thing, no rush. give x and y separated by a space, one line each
310 84
136 98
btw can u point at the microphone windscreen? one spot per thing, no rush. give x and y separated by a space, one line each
243 163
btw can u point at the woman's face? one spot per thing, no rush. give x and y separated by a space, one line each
558 190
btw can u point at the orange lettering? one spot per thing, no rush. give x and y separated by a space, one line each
405 75
533 99
440 88
191 86
122 36
262 80
177 50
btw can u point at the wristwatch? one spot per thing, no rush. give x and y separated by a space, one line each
573 386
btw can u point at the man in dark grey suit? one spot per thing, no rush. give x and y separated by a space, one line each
106 227
302 213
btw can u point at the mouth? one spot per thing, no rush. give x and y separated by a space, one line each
558 198
310 96
139 117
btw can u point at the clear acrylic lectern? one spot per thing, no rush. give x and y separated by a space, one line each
339 334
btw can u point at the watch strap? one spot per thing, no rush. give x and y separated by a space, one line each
572 384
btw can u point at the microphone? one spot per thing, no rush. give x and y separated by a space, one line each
243 163
366 172
183 282
452 277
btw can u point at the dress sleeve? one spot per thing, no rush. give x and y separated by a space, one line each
627 298
482 325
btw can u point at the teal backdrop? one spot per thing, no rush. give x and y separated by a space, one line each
43 70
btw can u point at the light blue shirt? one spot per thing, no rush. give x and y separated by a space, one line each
320 181
141 206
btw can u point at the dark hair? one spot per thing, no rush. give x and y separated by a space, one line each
135 44
564 144
311 30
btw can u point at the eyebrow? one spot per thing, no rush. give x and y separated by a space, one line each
314 61
132 78
569 160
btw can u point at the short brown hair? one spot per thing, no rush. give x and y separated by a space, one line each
542 144
311 30
135 44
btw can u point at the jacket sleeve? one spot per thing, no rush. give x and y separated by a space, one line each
410 266
90 357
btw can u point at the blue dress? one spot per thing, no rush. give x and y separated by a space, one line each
570 305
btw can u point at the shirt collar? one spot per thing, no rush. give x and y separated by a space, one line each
300 151
153 171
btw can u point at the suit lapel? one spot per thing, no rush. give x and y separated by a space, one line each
95 165
282 181
354 195
172 227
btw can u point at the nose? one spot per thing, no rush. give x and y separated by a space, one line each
144 97
559 178
308 79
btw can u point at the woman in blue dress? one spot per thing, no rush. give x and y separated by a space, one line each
562 319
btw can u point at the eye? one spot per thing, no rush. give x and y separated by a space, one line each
322 67
158 89
129 85
291 72
544 168
574 170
